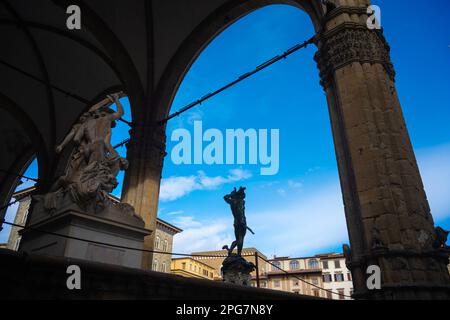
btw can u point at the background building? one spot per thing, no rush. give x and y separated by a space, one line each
192 268
218 256
336 276
21 217
300 274
163 237
303 275
164 243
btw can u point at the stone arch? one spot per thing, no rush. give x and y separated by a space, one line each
118 53
35 147
387 212
205 33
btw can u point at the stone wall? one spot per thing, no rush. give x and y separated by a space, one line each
42 277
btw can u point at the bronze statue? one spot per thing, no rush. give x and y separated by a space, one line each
236 200
235 269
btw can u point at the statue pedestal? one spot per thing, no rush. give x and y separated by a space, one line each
112 226
237 270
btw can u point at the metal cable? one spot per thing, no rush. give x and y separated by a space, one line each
259 68
19 175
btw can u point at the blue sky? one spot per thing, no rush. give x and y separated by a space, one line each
299 211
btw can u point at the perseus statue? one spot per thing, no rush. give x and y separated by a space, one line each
236 200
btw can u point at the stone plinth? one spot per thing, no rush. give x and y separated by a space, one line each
113 225
237 270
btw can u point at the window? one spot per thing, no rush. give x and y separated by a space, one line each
165 245
329 295
294 265
155 265
325 264
339 277
183 266
315 281
157 242
276 283
315 292
211 275
263 284
341 294
337 264
313 264
349 276
276 265
327 278
163 267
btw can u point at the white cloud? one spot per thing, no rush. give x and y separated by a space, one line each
311 222
294 184
202 236
189 118
174 213
175 187
186 222
308 225
239 174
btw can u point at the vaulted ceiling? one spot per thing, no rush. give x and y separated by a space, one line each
50 74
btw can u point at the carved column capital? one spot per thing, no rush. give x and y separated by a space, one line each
148 143
348 43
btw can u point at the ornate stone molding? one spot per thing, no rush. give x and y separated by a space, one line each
344 10
349 43
148 142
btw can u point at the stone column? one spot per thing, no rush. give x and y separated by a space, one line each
145 152
388 216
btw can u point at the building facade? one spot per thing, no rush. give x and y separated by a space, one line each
164 243
192 268
303 275
20 218
336 276
297 275
309 275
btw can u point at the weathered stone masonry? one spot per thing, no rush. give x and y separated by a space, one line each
388 215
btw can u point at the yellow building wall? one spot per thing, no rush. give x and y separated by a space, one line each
188 267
